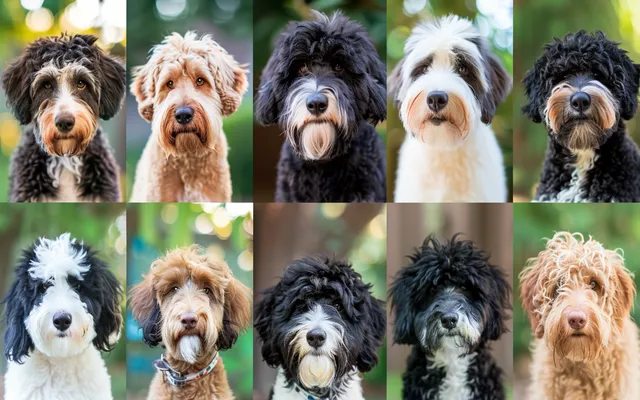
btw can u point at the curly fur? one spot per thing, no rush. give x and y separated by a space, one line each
610 172
344 160
334 290
454 277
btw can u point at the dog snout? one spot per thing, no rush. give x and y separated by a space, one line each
316 338
577 319
437 100
64 122
189 320
62 320
580 101
184 115
449 320
317 103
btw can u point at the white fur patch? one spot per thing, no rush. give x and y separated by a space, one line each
574 193
56 259
451 358
352 389
189 348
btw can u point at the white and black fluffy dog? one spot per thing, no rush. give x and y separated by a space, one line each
61 311
325 85
449 303
447 88
319 326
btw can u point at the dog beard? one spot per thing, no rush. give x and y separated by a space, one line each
317 140
583 348
67 144
188 143
189 348
316 371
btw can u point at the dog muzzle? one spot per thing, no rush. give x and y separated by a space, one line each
175 378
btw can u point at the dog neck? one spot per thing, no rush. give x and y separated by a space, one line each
455 361
176 378
347 388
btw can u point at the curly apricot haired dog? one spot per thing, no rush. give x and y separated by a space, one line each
582 88
184 90
578 296
325 86
194 307
59 88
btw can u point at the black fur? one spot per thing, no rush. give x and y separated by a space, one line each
355 171
343 295
419 297
615 175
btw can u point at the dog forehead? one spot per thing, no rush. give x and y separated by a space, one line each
442 35
58 258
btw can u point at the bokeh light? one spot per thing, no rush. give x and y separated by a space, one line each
31 4
39 20
170 9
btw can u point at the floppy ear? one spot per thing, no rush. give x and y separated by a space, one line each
146 311
631 84
266 109
109 292
113 84
230 77
528 288
377 106
375 330
262 317
395 82
500 302
400 296
624 296
18 303
237 313
534 89
16 82
143 88
500 84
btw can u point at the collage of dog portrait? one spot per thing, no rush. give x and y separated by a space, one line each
319 199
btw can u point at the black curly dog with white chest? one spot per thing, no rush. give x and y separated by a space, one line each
59 88
449 303
583 88
325 85
320 325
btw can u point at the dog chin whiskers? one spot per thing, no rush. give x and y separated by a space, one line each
189 348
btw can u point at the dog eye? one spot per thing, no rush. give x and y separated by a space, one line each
303 69
170 84
461 69
46 285
47 85
337 67
206 290
338 306
81 84
594 285
199 82
175 289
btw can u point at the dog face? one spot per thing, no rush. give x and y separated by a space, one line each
192 304
577 295
319 323
447 82
449 297
322 81
63 300
581 88
185 89
63 85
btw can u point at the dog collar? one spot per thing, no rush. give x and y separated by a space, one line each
308 395
175 378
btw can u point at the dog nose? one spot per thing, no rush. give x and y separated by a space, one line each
189 320
580 101
577 319
317 103
316 338
184 115
449 320
62 320
64 122
437 100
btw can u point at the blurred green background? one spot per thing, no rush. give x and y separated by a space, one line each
615 226
225 231
230 23
355 232
537 22
24 21
493 18
270 17
103 227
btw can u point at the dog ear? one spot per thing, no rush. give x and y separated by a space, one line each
18 302
624 296
375 331
400 295
528 288
237 313
16 82
395 83
631 83
113 83
230 77
109 324
146 311
143 88
500 302
500 83
266 109
262 317
534 89
377 106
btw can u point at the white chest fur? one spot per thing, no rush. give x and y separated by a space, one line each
455 364
353 389
575 192
65 173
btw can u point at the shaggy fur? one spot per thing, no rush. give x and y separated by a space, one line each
449 303
61 311
590 157
187 282
578 296
184 90
59 88
320 296
332 153
450 152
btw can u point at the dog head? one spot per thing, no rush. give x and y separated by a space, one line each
63 300
581 87
63 85
185 88
192 304
319 323
447 82
577 295
323 80
449 298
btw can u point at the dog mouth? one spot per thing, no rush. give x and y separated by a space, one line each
437 120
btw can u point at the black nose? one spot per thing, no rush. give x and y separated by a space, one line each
449 320
64 122
317 103
62 320
316 338
580 101
189 320
184 115
437 100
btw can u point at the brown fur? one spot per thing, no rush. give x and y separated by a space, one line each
574 274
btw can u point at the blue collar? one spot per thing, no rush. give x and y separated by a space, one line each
175 378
